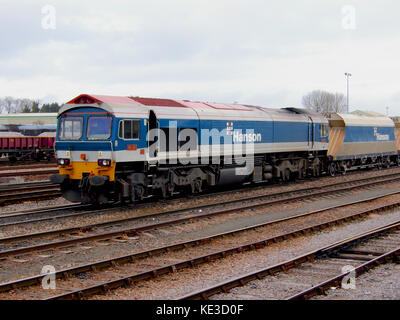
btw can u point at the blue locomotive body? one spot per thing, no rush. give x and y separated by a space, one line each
128 148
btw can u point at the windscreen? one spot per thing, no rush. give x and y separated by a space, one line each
70 128
99 128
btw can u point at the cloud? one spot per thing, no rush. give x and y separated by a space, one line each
252 52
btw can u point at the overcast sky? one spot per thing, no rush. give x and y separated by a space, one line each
268 53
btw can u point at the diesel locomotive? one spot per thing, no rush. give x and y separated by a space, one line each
112 148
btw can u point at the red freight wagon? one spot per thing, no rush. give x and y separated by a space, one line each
18 148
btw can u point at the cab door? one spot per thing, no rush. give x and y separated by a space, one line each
311 133
153 136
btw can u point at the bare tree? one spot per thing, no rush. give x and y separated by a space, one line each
323 101
12 105
24 104
9 104
339 103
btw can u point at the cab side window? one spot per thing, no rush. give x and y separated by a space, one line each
129 129
324 130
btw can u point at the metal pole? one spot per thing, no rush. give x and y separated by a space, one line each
347 78
347 94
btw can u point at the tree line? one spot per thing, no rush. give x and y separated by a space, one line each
21 105
317 100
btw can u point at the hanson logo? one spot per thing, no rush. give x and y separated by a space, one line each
229 128
247 137
380 137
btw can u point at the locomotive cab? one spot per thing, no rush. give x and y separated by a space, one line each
84 152
129 148
88 134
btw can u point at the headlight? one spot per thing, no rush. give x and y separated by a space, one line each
104 162
63 162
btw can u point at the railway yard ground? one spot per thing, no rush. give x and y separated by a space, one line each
327 238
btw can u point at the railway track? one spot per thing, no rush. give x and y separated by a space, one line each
13 171
12 193
7 166
60 212
127 227
129 269
361 253
63 211
25 186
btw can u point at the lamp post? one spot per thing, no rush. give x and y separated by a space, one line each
347 78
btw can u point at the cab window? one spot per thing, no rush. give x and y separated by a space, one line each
129 129
324 130
70 128
99 128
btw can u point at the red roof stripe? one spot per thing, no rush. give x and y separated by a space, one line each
85 98
158 102
224 106
195 105
115 99
88 99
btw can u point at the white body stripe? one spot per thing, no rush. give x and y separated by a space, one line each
215 150
204 151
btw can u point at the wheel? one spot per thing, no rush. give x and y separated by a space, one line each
12 158
286 175
387 163
170 188
196 186
316 171
137 192
332 170
379 164
302 173
302 169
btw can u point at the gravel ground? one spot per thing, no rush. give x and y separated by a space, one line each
36 175
25 264
380 283
196 227
285 284
192 201
29 205
34 204
229 267
113 215
183 282
32 265
307 275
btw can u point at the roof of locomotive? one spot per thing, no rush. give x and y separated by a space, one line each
117 104
165 108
